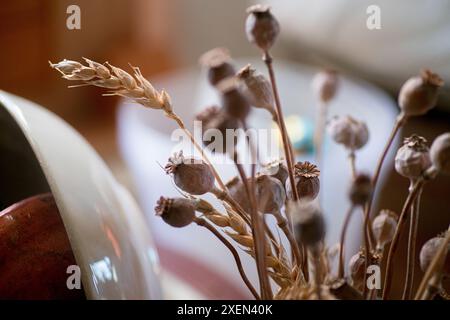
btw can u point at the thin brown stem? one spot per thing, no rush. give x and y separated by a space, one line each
352 158
400 121
203 223
286 142
411 255
367 247
319 131
401 221
283 224
342 240
433 269
258 233
182 126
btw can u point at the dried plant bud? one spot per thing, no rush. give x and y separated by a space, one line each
440 153
361 189
191 175
236 190
215 123
256 88
270 194
430 249
177 212
419 94
278 170
261 26
306 177
384 226
309 224
218 63
413 157
234 103
325 85
351 133
66 66
357 270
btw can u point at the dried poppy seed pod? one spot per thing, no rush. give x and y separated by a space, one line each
191 175
218 63
306 177
277 169
419 94
177 212
361 189
236 190
357 270
429 250
256 88
413 158
261 27
270 193
234 103
325 85
384 226
440 153
309 224
215 123
351 133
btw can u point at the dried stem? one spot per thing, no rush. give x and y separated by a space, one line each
399 122
342 240
433 268
319 130
352 158
257 231
286 142
283 224
203 223
317 271
401 221
412 241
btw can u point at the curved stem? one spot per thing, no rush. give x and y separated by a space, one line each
433 268
412 241
400 121
258 233
182 126
342 240
401 221
283 224
204 223
286 142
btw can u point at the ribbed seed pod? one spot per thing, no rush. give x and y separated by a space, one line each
413 158
270 194
349 132
306 177
277 169
325 84
234 103
440 153
361 189
177 212
191 175
261 27
384 226
430 249
219 66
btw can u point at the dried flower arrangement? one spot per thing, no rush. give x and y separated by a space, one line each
285 189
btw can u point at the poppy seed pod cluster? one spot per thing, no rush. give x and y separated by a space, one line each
419 94
191 175
215 124
349 132
261 27
177 212
256 88
306 177
440 153
384 226
219 66
413 158
325 85
430 249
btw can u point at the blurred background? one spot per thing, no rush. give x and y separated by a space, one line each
165 37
